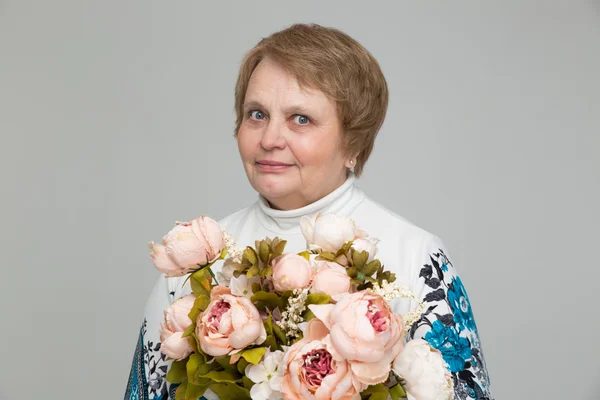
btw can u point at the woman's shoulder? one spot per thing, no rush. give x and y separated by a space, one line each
377 219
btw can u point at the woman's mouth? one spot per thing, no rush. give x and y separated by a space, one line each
272 166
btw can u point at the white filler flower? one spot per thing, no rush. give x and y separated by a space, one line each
267 376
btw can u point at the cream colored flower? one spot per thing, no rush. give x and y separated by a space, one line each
424 372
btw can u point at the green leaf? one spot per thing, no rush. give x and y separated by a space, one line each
280 334
253 271
224 361
241 365
177 373
180 392
267 271
194 342
194 392
247 382
254 355
250 256
283 300
375 392
279 248
269 325
352 272
397 392
379 396
188 331
270 300
359 258
222 376
200 304
318 298
230 391
379 388
371 267
345 248
263 252
197 368
326 255
270 342
307 315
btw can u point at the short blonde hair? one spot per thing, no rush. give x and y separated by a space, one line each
331 61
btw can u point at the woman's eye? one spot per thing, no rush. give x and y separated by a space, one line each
301 119
256 114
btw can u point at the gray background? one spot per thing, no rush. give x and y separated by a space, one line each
116 120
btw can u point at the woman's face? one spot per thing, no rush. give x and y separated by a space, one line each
290 140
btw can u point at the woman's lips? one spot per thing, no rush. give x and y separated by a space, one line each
272 166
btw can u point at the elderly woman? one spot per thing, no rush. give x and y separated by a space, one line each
310 101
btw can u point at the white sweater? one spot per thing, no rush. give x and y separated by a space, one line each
418 258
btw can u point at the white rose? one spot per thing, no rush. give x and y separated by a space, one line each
242 286
425 373
368 244
226 273
328 232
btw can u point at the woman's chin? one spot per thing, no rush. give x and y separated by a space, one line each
271 187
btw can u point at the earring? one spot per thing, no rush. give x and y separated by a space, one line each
351 162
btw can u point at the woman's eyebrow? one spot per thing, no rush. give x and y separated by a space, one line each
253 104
294 109
298 110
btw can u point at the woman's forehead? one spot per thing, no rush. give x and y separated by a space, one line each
271 84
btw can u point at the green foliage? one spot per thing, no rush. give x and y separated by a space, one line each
264 300
318 298
177 373
180 392
263 252
241 365
280 334
197 368
326 256
249 257
230 391
253 356
194 392
397 392
307 315
375 392
223 376
252 271
279 248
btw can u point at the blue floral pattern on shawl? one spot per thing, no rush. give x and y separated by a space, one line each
449 326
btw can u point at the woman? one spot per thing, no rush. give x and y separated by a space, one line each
310 101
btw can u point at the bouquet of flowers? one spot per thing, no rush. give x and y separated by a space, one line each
309 325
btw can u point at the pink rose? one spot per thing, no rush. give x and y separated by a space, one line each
291 271
365 331
176 321
330 278
315 370
328 232
228 324
187 245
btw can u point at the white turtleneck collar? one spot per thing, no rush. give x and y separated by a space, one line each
341 201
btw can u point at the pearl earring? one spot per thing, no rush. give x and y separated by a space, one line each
351 162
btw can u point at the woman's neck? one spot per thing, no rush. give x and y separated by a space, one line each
299 200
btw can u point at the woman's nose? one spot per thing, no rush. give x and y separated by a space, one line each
272 136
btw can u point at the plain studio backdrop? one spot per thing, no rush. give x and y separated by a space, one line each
117 120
